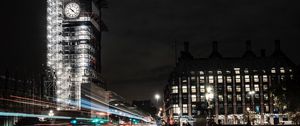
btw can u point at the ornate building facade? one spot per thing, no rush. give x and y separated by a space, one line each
230 87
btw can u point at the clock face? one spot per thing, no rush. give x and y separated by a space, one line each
72 10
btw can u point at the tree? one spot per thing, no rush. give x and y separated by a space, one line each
278 91
295 117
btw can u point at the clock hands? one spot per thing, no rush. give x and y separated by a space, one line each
72 10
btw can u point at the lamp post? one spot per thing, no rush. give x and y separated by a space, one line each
209 97
248 111
251 93
157 97
51 114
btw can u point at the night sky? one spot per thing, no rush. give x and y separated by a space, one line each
138 49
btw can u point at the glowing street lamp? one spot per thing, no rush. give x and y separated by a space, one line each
157 97
209 97
51 113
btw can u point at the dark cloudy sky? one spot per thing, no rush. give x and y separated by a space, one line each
137 50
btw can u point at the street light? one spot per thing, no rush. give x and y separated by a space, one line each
51 113
157 97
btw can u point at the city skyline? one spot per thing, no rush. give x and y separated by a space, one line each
137 50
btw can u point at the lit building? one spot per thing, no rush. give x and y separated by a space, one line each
237 84
73 49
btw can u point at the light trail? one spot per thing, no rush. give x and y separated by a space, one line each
37 116
24 98
24 102
103 107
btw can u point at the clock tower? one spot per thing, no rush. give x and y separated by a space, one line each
74 49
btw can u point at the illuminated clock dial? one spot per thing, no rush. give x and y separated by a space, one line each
72 10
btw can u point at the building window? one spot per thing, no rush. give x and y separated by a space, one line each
238 79
202 80
174 89
202 88
220 79
184 97
247 96
256 87
255 71
267 108
202 98
184 108
246 71
194 98
229 88
194 110
256 96
247 87
237 70
193 78
228 72
184 89
265 78
266 96
265 87
210 72
184 80
176 109
238 88
211 79
219 72
256 79
229 97
192 73
201 72
273 70
282 77
238 97
221 98
193 89
247 78
282 70
290 70
229 79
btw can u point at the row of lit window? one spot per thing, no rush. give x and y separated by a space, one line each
229 88
176 108
228 79
229 97
238 71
